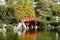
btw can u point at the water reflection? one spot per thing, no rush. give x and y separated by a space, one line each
3 30
46 35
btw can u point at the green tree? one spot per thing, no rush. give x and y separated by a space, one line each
48 7
2 12
44 7
8 15
56 10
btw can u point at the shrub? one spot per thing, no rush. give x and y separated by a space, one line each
9 28
1 24
54 23
43 23
59 23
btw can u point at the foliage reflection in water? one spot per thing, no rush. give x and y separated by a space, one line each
46 35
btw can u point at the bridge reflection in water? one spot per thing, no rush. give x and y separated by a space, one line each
45 35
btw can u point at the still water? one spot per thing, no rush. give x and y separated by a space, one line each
44 35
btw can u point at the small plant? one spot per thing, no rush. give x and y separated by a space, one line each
43 23
9 28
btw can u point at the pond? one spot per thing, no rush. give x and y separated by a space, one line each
44 35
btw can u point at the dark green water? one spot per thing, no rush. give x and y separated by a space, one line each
46 35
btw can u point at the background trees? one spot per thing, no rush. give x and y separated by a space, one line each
19 9
47 8
8 15
56 10
44 7
15 10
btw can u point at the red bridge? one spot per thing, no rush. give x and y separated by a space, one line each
32 25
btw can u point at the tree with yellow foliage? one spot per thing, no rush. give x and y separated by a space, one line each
25 9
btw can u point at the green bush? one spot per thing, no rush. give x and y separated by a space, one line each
1 23
9 28
43 23
54 23
59 23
